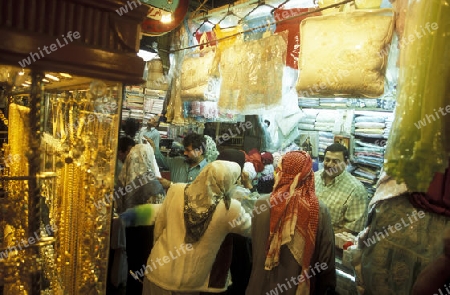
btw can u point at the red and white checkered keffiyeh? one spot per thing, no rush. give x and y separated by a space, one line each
294 213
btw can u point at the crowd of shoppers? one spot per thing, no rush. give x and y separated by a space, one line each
219 231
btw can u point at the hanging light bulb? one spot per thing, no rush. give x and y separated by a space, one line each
166 18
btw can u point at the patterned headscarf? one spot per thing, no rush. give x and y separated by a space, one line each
294 213
138 161
211 151
204 193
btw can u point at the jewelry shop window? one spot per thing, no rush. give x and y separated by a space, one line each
57 169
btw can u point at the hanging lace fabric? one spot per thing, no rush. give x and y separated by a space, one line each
419 142
175 106
227 37
247 87
195 75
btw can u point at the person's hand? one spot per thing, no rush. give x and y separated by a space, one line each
164 182
150 141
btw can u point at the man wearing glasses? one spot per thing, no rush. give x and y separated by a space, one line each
344 195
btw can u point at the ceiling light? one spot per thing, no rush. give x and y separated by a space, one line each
65 75
45 80
25 85
52 77
21 73
166 18
28 82
146 55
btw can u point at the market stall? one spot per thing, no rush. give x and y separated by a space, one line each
62 97
319 75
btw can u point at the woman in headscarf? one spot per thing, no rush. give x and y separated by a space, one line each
293 242
139 160
211 151
187 257
241 262
139 173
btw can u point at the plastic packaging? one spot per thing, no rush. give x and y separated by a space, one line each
344 54
248 86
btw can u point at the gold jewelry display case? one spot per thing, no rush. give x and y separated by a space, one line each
63 67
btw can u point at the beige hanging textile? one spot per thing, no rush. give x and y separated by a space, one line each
252 74
195 74
156 79
419 142
344 54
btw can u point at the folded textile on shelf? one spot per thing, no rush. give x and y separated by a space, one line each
304 126
369 119
370 125
369 130
307 120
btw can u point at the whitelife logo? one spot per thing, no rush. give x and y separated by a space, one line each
166 259
53 47
398 226
50 229
423 122
124 9
107 200
300 279
258 210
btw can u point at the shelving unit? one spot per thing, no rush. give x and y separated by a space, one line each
364 166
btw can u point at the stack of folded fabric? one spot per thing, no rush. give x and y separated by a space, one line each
325 139
368 154
370 126
308 102
333 102
370 133
134 101
135 114
307 122
325 120
364 103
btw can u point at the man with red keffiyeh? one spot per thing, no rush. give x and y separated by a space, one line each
293 241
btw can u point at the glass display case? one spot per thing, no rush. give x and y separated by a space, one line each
59 163
59 121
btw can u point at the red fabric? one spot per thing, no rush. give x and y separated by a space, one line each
293 28
266 158
437 198
254 157
206 37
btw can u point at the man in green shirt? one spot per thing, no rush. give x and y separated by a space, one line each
344 195
186 168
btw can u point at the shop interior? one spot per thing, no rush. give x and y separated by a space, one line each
274 76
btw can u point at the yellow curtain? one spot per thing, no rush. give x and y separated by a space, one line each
419 143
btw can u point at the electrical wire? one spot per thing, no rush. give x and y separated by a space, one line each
263 26
199 7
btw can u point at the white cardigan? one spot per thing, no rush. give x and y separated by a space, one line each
175 266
